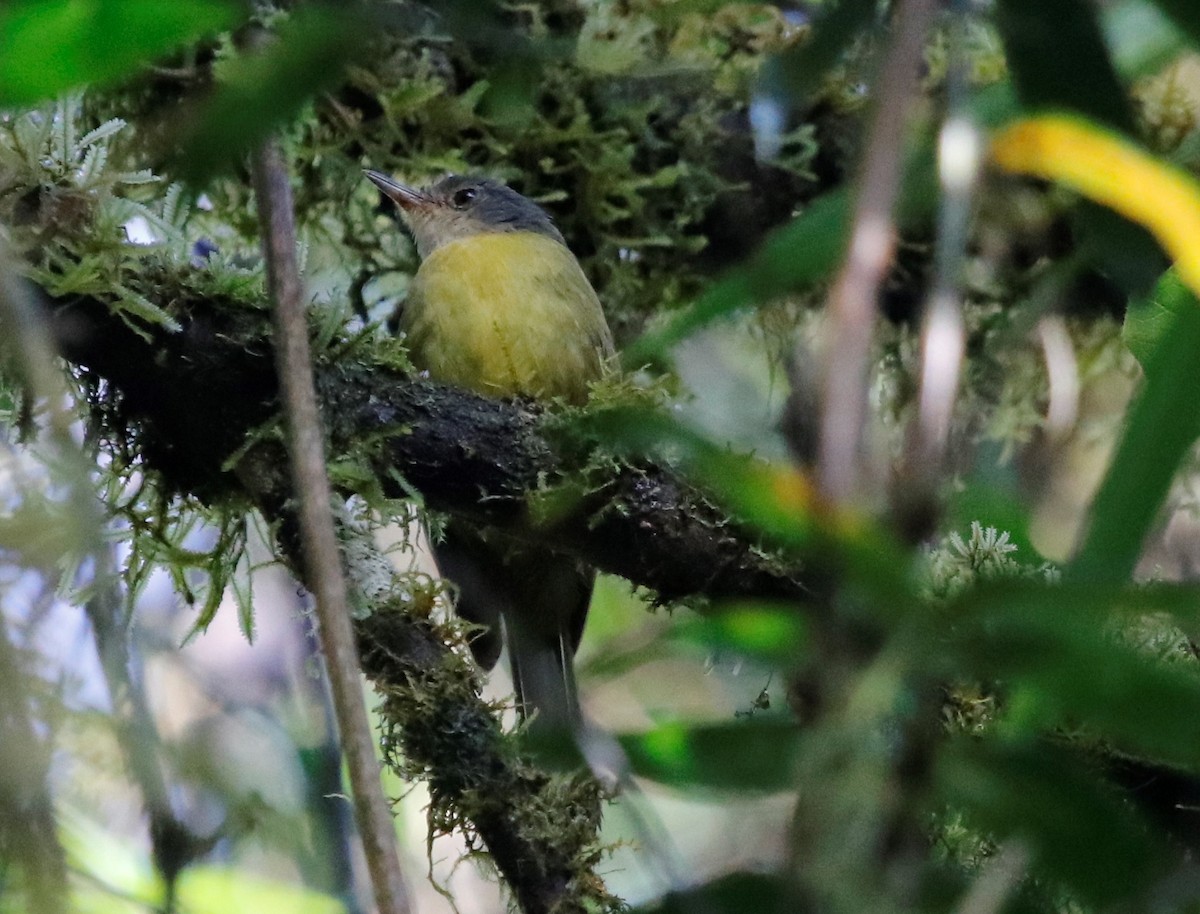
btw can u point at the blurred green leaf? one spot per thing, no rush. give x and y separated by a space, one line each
1079 832
263 90
54 45
217 890
773 636
736 893
1053 650
797 255
776 635
42 531
109 859
117 869
1185 14
1163 423
757 754
780 501
1149 320
1058 59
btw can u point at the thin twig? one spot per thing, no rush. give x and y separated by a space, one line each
943 334
322 558
852 300
1062 375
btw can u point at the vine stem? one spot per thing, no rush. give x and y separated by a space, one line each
322 558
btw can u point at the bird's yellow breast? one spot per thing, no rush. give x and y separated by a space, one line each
507 314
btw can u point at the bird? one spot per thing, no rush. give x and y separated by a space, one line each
499 305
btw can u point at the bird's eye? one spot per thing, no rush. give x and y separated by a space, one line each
462 198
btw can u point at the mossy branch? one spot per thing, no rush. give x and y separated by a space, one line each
196 394
540 830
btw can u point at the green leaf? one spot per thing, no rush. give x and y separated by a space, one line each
753 755
54 45
1052 649
1059 60
776 635
1078 831
1149 320
263 90
736 893
1163 423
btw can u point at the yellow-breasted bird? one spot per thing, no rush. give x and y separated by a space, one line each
501 306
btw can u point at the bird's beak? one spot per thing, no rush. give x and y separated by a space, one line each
407 198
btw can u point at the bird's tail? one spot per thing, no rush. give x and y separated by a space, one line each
543 601
543 676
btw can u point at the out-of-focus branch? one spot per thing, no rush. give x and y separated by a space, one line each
943 331
855 293
943 336
27 827
172 844
888 790
322 559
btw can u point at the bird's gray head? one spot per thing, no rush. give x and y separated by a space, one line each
460 206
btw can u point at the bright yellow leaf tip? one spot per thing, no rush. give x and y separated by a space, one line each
1114 172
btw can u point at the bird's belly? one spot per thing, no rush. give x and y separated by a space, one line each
506 315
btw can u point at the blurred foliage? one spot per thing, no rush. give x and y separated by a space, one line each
94 43
933 712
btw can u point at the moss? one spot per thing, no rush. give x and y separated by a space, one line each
1167 107
542 825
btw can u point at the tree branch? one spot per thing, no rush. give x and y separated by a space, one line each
853 299
322 560
196 394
